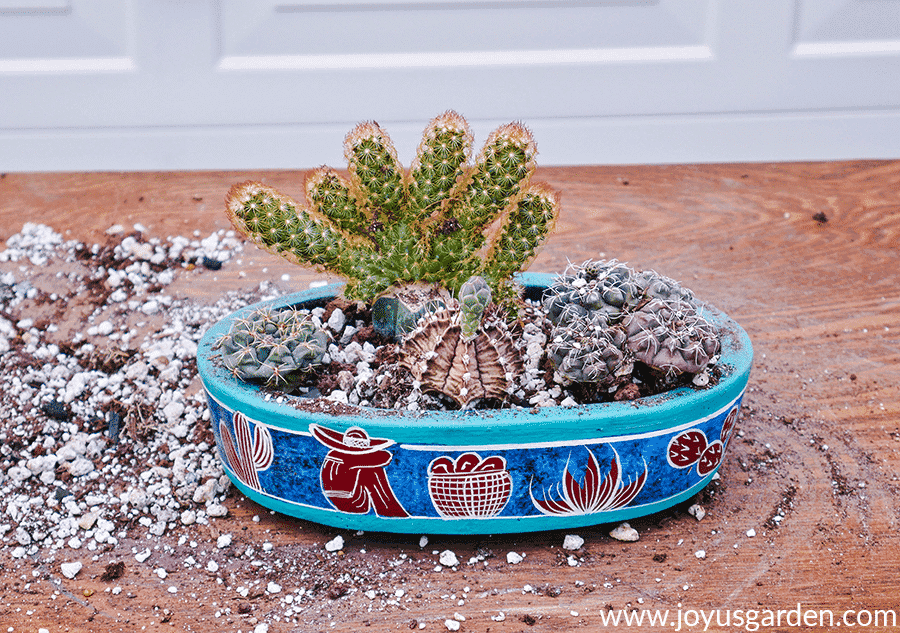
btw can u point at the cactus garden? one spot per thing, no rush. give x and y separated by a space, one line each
431 315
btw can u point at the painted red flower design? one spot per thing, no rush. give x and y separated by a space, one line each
593 494
469 486
247 454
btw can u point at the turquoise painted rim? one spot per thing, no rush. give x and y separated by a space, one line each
559 424
458 431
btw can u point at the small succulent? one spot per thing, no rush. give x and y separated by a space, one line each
385 227
474 298
606 316
464 352
586 350
273 346
670 336
598 289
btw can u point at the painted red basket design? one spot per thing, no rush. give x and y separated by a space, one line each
469 487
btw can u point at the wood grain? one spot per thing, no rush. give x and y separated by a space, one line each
821 302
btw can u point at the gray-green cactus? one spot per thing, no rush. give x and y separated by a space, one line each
606 316
669 335
273 346
587 350
440 223
474 298
599 289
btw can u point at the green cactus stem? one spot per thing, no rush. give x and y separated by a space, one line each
474 298
273 347
439 223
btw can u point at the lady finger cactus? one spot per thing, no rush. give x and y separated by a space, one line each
441 222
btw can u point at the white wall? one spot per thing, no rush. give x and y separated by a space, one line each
210 84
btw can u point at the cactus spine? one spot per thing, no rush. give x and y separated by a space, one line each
273 347
606 317
441 222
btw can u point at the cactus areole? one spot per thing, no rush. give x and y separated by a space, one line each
472 471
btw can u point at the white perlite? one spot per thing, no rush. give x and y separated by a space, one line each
572 542
70 570
514 558
625 532
448 559
335 544
697 511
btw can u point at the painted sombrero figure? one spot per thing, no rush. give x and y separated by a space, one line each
352 475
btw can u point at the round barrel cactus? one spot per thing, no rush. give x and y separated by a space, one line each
273 346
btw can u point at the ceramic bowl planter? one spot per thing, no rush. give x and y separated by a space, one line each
472 472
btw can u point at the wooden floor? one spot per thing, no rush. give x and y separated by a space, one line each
820 299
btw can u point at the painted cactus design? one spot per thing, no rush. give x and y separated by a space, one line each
729 425
246 455
692 447
594 494
469 486
686 448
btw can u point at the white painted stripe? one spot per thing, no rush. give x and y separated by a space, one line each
531 445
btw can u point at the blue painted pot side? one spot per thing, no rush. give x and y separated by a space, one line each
472 472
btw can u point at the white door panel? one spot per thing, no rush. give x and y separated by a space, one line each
181 84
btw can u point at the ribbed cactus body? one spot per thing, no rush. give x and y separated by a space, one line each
474 298
602 289
606 316
464 369
272 347
669 335
586 350
385 227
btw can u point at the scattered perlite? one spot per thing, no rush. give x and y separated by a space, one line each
273 587
335 544
423 542
142 556
572 542
697 511
70 570
514 558
452 625
625 533
448 559
223 541
751 533
700 553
